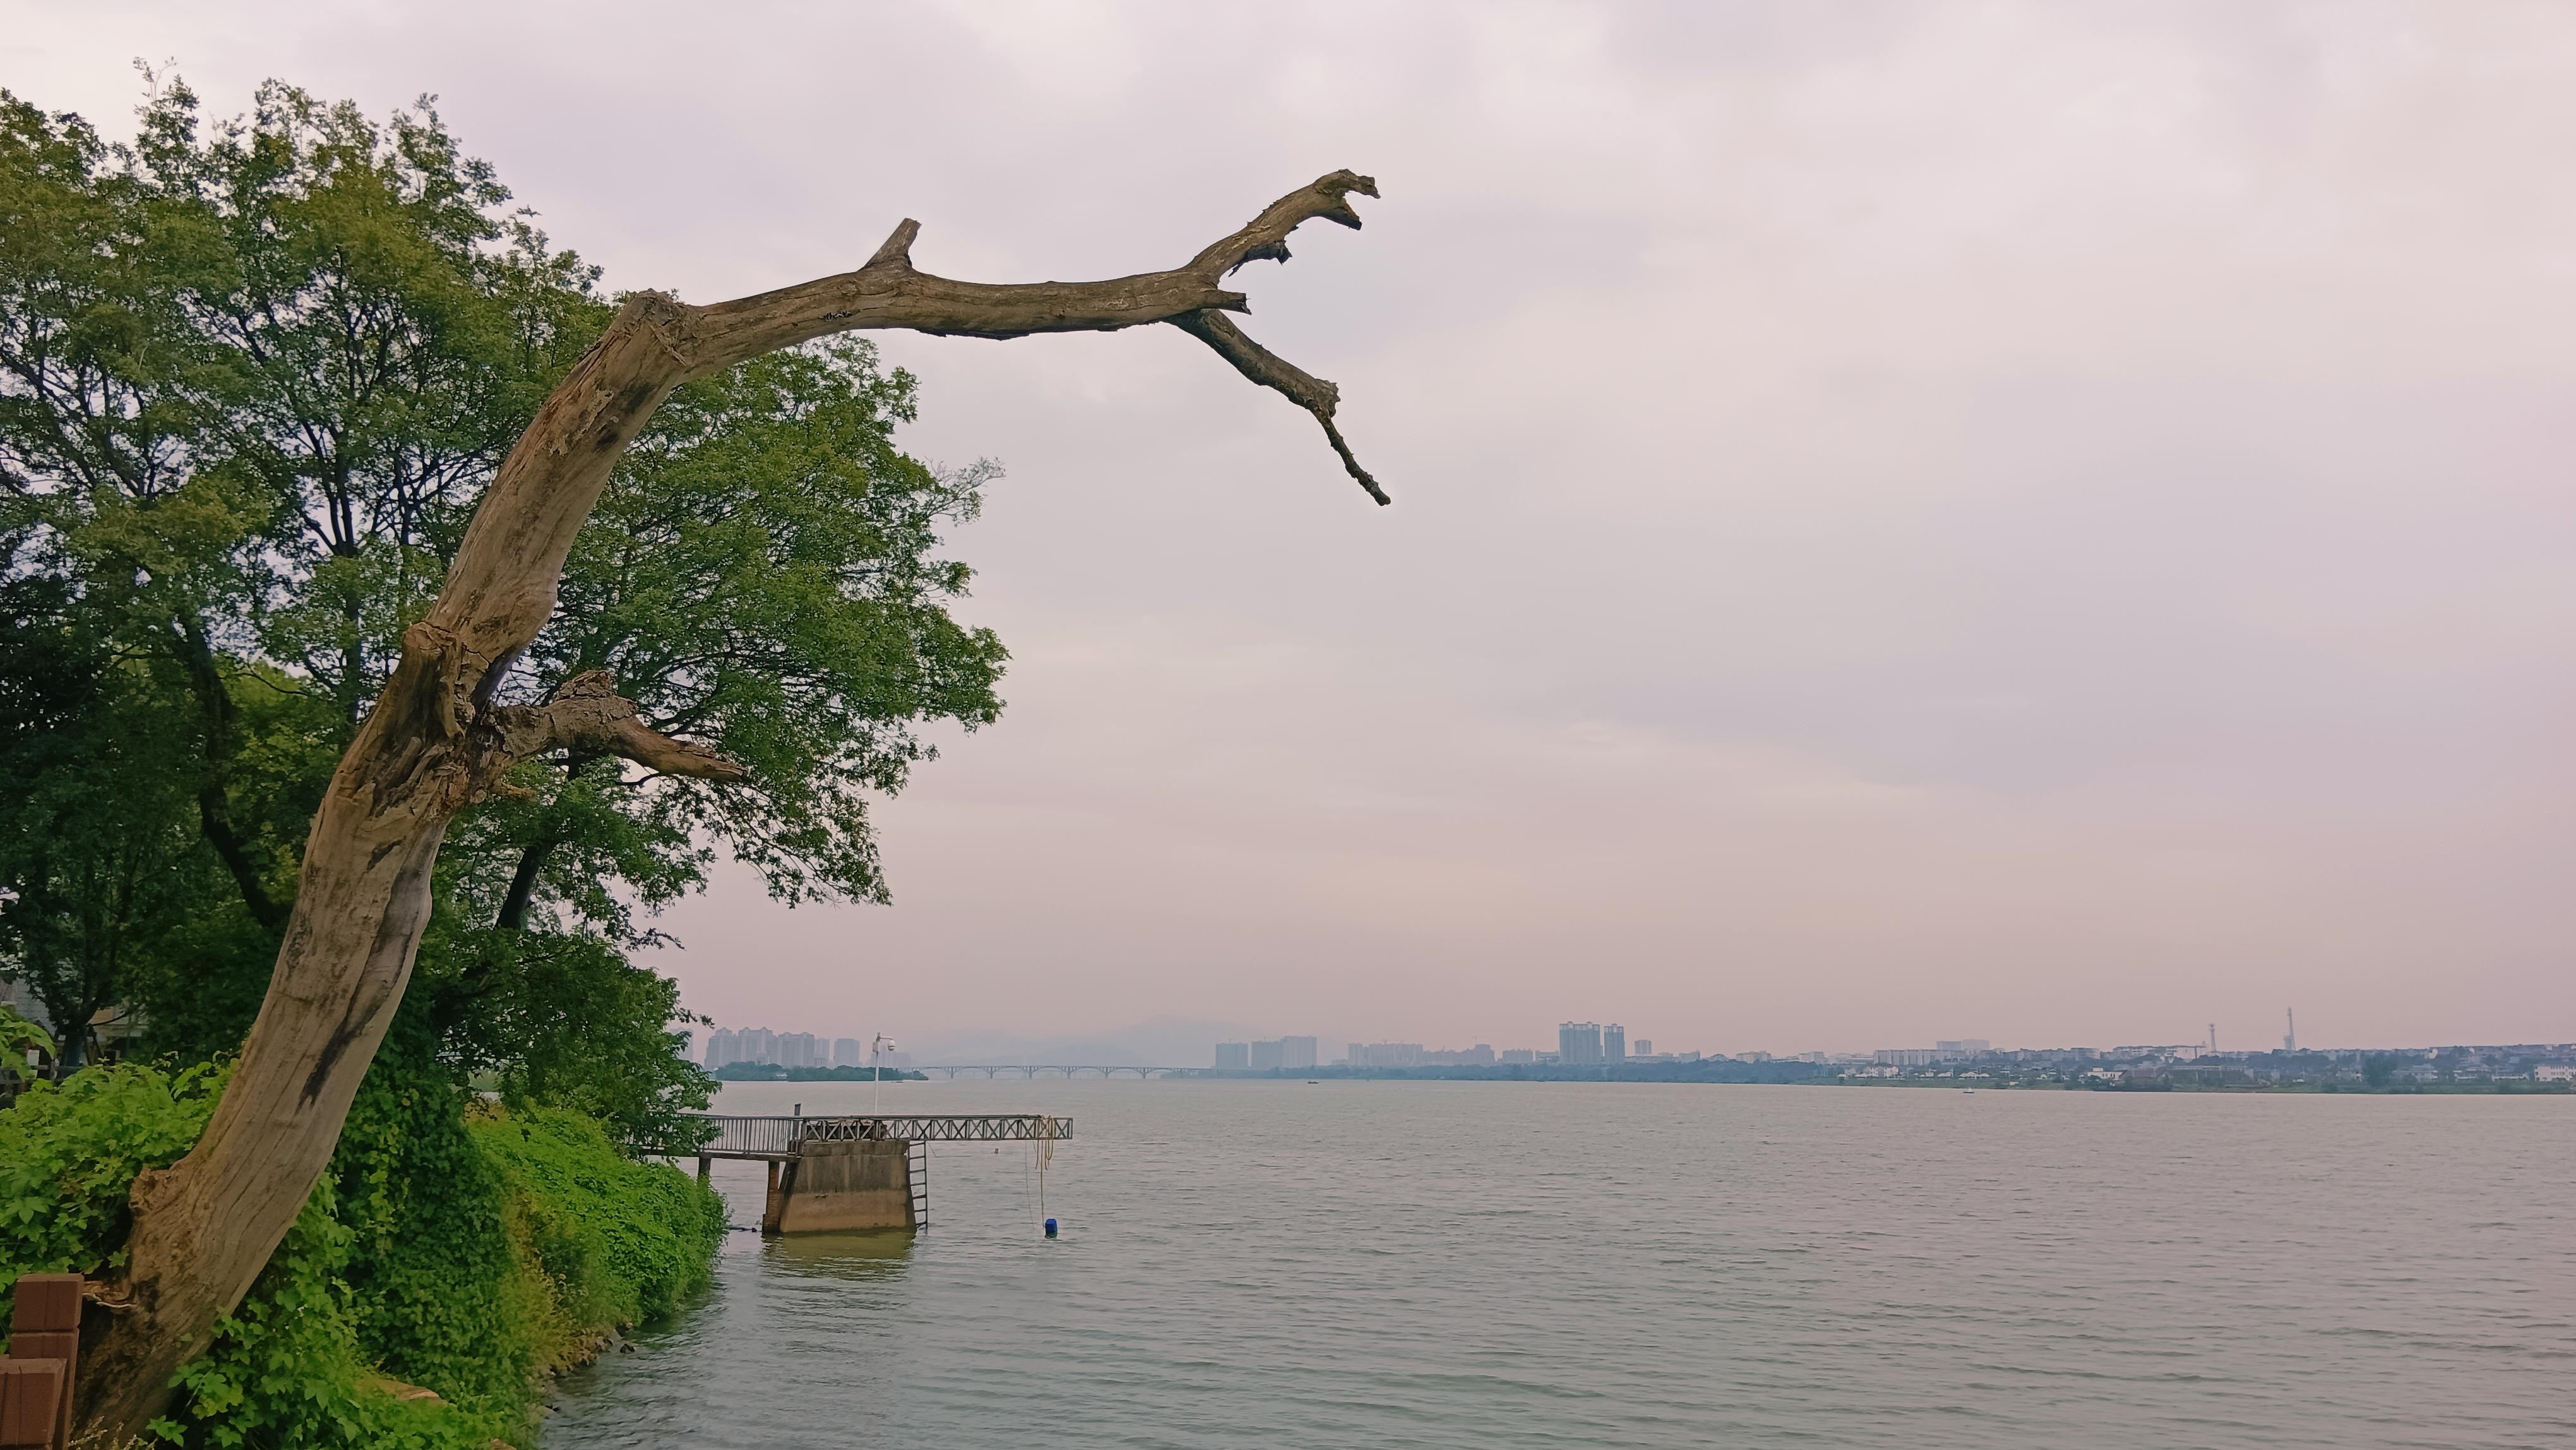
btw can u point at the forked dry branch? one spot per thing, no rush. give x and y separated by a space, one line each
437 740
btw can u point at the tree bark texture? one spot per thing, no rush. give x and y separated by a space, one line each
436 741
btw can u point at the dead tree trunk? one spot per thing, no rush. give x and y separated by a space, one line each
436 741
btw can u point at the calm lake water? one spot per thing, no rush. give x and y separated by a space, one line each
1482 1264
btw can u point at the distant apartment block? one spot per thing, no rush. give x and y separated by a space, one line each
729 1045
1906 1056
1280 1054
1520 1054
1614 1043
1578 1042
1645 1047
1386 1054
1964 1047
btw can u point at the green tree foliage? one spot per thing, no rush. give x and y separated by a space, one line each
253 376
68 1154
97 841
464 1257
17 1035
759 575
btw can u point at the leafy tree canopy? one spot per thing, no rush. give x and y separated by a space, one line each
253 376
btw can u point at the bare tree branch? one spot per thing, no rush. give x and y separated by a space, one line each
1272 371
587 715
888 292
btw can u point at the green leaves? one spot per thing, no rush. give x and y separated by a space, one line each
762 573
254 374
466 1256
17 1034
69 1153
621 1241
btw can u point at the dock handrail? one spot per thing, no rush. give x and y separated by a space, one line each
731 1135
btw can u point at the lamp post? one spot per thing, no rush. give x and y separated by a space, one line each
876 1062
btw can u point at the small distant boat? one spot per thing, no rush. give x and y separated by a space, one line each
1314 1082
1972 1092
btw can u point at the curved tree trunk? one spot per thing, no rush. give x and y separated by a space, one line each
435 742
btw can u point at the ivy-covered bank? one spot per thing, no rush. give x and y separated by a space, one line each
456 1246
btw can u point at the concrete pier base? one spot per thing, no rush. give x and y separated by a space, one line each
841 1186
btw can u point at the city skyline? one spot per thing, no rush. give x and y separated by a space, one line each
1327 1049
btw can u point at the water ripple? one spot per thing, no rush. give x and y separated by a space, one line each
1445 1265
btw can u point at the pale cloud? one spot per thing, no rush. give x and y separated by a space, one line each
2041 521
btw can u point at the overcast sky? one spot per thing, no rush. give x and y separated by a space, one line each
2051 522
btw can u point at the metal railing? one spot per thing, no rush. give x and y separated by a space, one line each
734 1136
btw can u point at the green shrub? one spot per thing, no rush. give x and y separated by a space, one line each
69 1152
618 1241
430 1261
468 1253
286 1369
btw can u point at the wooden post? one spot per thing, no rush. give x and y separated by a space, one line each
43 1363
31 1402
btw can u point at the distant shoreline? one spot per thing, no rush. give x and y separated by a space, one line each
1804 1074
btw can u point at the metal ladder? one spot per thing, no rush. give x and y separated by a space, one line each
918 1171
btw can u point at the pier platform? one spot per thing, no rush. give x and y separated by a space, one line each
851 1173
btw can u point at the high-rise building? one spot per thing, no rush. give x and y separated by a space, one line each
849 1052
1578 1042
1963 1046
2290 1029
799 1049
1520 1054
726 1046
1265 1056
1614 1043
1235 1055
1645 1048
1296 1054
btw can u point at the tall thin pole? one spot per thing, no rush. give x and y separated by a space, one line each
876 1063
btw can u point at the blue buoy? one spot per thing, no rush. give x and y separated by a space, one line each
1050 1228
